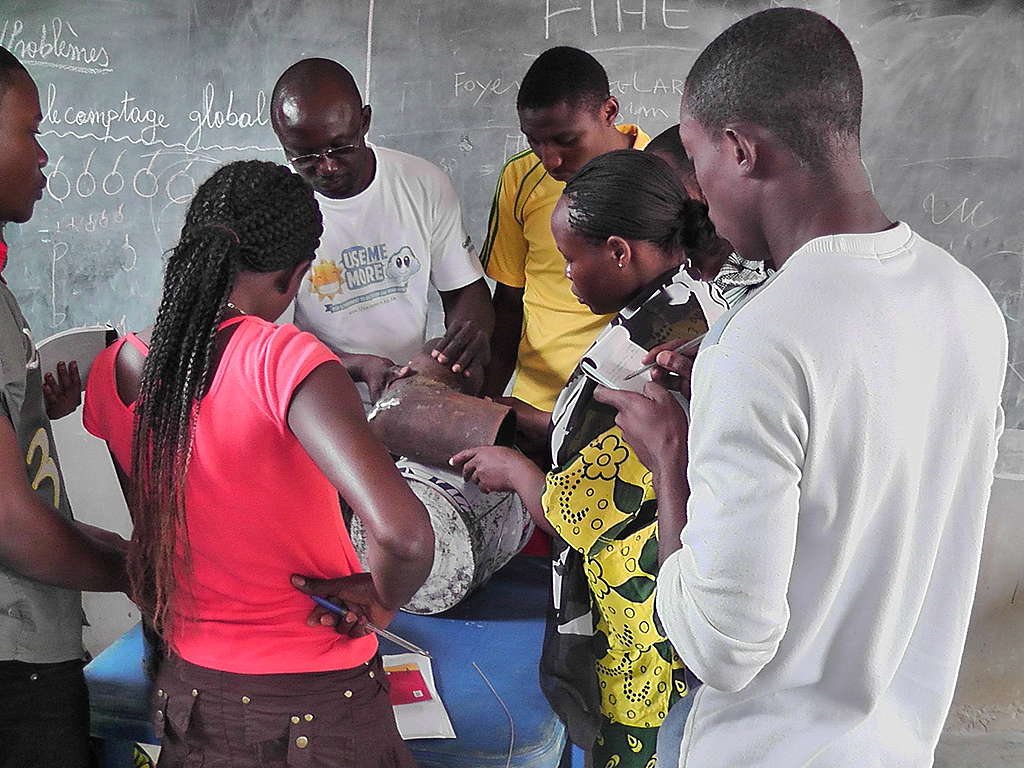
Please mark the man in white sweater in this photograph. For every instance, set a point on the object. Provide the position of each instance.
(820, 558)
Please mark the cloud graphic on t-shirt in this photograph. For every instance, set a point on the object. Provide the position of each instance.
(402, 265)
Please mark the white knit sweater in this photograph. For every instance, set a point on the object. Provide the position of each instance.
(843, 437)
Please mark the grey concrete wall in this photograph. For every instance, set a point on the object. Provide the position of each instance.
(990, 691)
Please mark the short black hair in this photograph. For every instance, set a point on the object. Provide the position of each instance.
(563, 75)
(9, 67)
(786, 69)
(669, 146)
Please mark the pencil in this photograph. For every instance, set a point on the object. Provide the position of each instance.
(694, 342)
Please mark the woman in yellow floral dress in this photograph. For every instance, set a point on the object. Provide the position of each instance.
(626, 229)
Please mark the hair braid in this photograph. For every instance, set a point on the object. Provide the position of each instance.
(249, 216)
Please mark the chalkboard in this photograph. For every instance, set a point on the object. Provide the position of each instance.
(142, 100)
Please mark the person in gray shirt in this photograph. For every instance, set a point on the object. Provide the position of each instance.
(45, 556)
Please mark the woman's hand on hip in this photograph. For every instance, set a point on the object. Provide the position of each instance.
(355, 592)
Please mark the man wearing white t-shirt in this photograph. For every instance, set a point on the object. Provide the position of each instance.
(820, 550)
(392, 228)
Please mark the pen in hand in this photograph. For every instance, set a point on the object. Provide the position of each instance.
(387, 635)
(691, 344)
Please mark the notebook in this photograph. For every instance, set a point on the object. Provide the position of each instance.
(81, 345)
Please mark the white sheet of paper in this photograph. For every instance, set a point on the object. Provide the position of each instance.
(146, 755)
(421, 719)
(619, 357)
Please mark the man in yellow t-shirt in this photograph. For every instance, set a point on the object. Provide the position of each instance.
(541, 330)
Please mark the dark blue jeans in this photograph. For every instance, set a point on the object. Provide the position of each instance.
(44, 715)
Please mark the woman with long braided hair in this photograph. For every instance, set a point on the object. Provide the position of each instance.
(632, 241)
(235, 437)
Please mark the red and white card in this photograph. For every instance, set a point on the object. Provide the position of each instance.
(419, 711)
(407, 685)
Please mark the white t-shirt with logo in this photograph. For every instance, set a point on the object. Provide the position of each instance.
(367, 291)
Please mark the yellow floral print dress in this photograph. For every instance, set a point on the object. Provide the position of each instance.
(602, 505)
(607, 669)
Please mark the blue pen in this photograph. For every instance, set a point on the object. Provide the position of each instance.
(324, 603)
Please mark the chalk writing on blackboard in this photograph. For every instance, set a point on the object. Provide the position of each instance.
(129, 256)
(51, 49)
(369, 51)
(106, 121)
(211, 118)
(668, 14)
(1016, 371)
(972, 216)
(136, 123)
(480, 88)
(58, 252)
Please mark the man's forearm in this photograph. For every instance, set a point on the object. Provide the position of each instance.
(504, 352)
(673, 492)
(103, 536)
(503, 364)
(470, 304)
(533, 425)
(36, 542)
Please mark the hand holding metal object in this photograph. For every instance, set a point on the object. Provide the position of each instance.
(434, 413)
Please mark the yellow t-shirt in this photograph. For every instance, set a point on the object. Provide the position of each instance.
(520, 252)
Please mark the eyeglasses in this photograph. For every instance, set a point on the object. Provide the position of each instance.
(312, 160)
